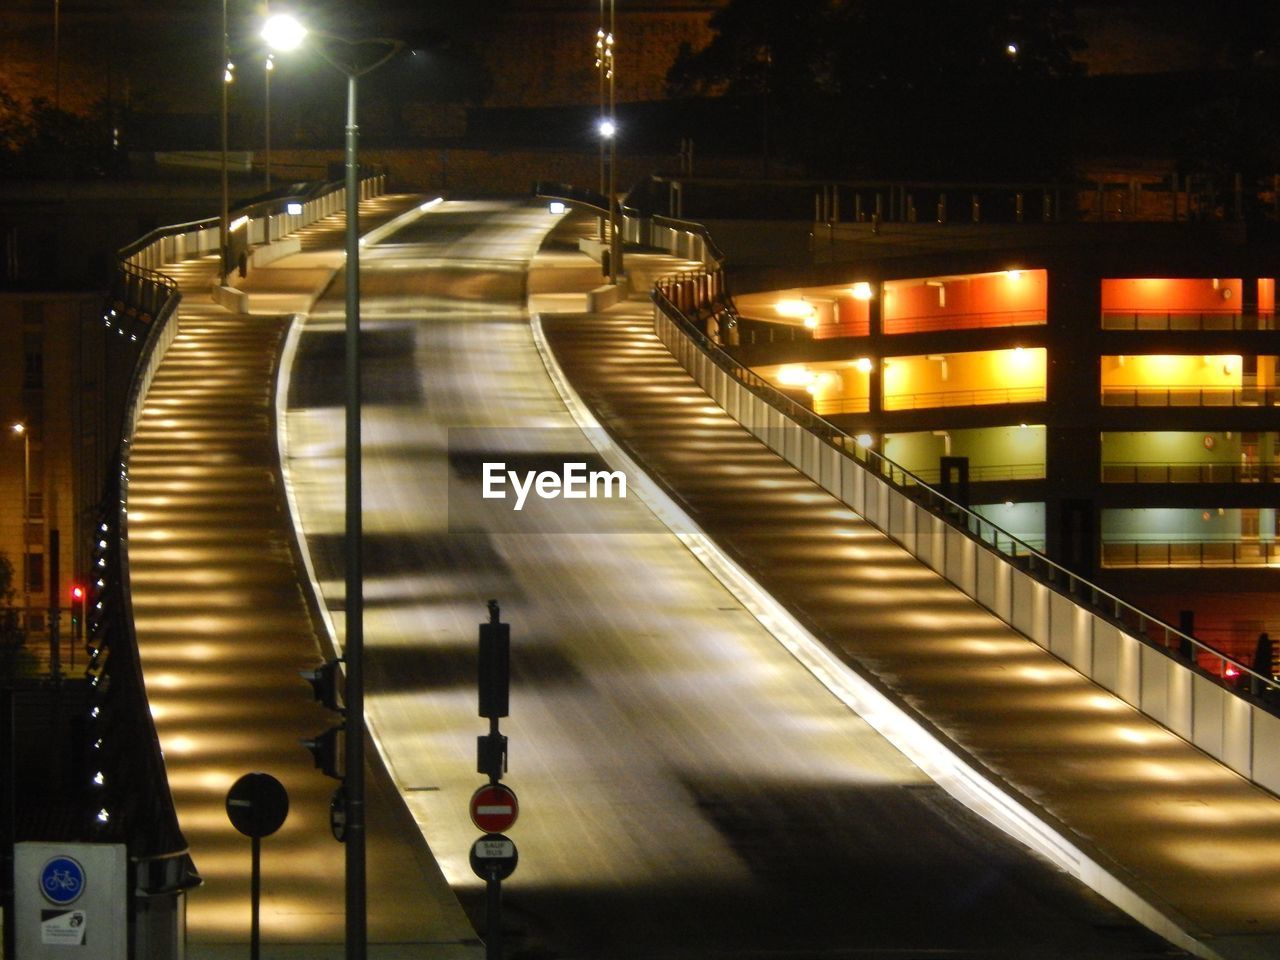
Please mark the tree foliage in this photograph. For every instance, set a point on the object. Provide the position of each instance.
(865, 84)
(38, 140)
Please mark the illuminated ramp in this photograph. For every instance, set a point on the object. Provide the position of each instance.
(223, 630)
(1173, 835)
(688, 790)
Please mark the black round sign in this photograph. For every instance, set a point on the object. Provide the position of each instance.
(493, 857)
(257, 804)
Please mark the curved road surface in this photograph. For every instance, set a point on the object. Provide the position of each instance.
(688, 789)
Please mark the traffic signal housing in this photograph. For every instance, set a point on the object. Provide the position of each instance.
(326, 684)
(326, 750)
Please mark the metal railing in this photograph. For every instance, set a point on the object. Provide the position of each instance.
(1138, 472)
(1190, 553)
(1186, 320)
(1180, 395)
(966, 321)
(963, 398)
(989, 472)
(1148, 629)
(258, 222)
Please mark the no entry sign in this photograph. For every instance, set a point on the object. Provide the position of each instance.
(494, 808)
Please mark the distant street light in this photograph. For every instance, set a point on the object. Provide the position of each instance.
(284, 32)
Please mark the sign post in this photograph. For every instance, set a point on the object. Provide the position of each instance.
(257, 806)
(494, 807)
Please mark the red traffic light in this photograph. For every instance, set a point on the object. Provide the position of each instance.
(77, 593)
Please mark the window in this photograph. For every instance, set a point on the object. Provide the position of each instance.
(35, 572)
(32, 360)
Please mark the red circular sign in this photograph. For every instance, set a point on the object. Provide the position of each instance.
(494, 808)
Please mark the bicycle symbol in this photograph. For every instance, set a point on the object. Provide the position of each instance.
(62, 880)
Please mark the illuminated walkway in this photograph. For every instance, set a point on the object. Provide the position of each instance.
(1185, 832)
(223, 630)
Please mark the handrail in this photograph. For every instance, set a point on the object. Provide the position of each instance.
(1127, 319)
(986, 534)
(1189, 395)
(1189, 471)
(549, 190)
(699, 230)
(130, 250)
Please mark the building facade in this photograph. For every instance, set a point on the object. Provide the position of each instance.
(52, 373)
(1107, 393)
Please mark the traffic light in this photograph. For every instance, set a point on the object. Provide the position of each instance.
(494, 665)
(326, 750)
(77, 612)
(325, 683)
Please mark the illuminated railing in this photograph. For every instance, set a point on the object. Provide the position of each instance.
(1186, 320)
(965, 321)
(1195, 553)
(1118, 472)
(772, 416)
(1181, 395)
(963, 398)
(258, 222)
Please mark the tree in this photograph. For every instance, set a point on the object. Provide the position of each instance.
(900, 89)
(37, 139)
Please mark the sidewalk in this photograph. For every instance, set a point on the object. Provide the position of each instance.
(223, 631)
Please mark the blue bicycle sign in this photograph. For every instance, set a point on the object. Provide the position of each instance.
(62, 881)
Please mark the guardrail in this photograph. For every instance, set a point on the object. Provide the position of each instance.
(965, 321)
(1138, 472)
(1171, 677)
(1186, 320)
(1190, 553)
(259, 222)
(1173, 395)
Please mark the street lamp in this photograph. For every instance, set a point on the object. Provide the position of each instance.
(606, 63)
(266, 127)
(20, 429)
(227, 72)
(283, 32)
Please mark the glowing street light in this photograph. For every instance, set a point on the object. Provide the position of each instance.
(284, 32)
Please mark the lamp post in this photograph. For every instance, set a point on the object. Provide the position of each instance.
(57, 55)
(266, 126)
(20, 429)
(283, 32)
(606, 63)
(224, 231)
